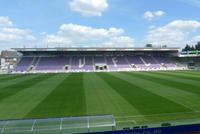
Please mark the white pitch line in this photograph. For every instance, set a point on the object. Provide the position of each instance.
(153, 115)
(133, 121)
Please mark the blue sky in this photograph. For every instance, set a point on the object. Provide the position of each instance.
(103, 23)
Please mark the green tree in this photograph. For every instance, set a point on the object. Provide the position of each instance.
(197, 46)
(192, 48)
(187, 48)
(149, 45)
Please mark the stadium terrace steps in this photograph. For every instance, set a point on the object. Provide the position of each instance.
(150, 61)
(156, 61)
(75, 63)
(35, 61)
(24, 64)
(88, 63)
(164, 60)
(106, 62)
(33, 64)
(127, 61)
(121, 62)
(110, 63)
(136, 61)
(38, 61)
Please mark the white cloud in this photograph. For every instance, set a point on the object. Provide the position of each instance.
(152, 27)
(84, 33)
(42, 33)
(194, 40)
(173, 34)
(4, 21)
(159, 13)
(52, 39)
(15, 31)
(89, 7)
(71, 34)
(114, 31)
(67, 35)
(122, 41)
(15, 34)
(11, 36)
(192, 2)
(30, 37)
(150, 15)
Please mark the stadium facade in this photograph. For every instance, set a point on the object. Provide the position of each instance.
(74, 59)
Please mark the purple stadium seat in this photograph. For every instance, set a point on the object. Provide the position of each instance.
(52, 63)
(136, 61)
(24, 64)
(165, 61)
(149, 60)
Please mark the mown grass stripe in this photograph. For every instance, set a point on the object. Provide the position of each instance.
(145, 101)
(21, 103)
(172, 81)
(6, 75)
(103, 99)
(3, 79)
(3, 75)
(156, 88)
(67, 99)
(17, 80)
(178, 96)
(184, 78)
(180, 75)
(192, 72)
(13, 89)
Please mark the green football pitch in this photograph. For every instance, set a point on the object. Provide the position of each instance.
(129, 96)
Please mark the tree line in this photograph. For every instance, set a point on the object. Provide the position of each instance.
(192, 48)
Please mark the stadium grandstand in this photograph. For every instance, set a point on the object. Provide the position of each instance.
(96, 59)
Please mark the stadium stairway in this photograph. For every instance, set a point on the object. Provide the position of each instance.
(70, 62)
(128, 61)
(93, 64)
(143, 61)
(156, 61)
(105, 59)
(114, 61)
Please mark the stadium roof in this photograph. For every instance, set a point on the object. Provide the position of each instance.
(98, 49)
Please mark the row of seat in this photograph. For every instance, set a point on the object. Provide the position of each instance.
(88, 62)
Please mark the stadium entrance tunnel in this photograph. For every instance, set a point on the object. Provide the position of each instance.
(66, 67)
(133, 66)
(101, 67)
(31, 68)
